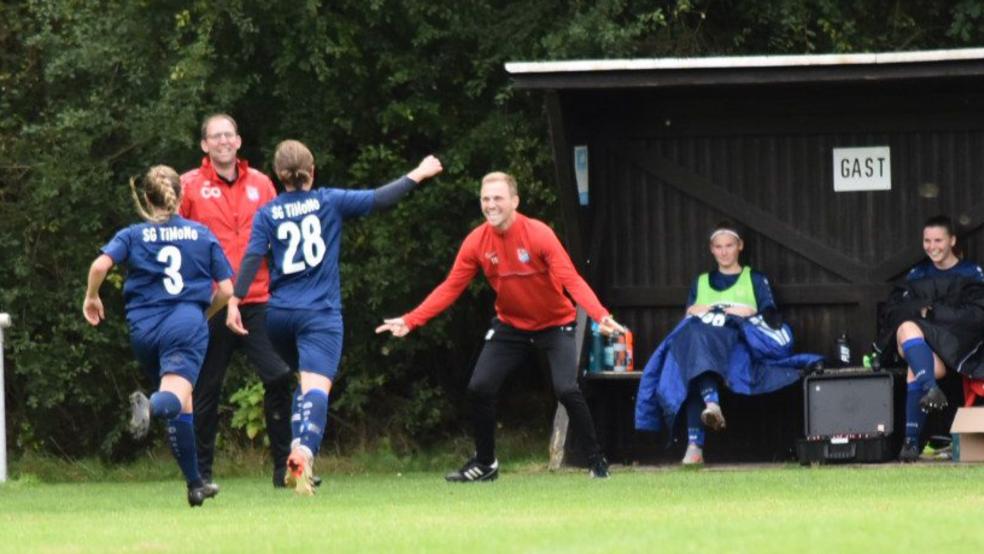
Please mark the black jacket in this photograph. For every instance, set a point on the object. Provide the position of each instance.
(954, 322)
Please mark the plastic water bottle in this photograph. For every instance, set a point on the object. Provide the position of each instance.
(609, 357)
(620, 353)
(597, 349)
(843, 350)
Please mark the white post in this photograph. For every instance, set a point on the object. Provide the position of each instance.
(4, 323)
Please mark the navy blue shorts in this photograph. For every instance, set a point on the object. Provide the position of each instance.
(308, 340)
(170, 340)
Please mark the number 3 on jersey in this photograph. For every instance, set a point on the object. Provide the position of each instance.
(307, 236)
(170, 256)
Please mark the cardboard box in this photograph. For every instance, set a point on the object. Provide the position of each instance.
(968, 426)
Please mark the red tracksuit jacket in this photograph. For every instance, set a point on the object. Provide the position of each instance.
(527, 267)
(227, 210)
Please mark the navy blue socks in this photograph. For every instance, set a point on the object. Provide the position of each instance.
(919, 356)
(695, 429)
(703, 391)
(313, 410)
(181, 436)
(708, 388)
(914, 416)
(295, 413)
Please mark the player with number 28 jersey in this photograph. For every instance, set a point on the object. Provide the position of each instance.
(303, 230)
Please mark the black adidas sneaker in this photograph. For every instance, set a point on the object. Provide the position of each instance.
(473, 471)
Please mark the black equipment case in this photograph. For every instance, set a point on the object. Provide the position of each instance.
(848, 417)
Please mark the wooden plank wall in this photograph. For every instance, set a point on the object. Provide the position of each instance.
(666, 165)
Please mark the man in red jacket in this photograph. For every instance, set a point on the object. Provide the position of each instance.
(224, 194)
(529, 270)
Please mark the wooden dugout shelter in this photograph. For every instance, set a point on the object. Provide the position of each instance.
(675, 145)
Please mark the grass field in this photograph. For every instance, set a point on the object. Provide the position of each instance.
(922, 508)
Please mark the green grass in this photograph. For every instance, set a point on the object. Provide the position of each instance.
(924, 508)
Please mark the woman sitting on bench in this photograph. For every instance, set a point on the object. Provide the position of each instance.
(731, 334)
(942, 321)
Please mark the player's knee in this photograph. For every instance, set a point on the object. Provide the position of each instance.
(165, 404)
(907, 330)
(480, 392)
(278, 389)
(568, 393)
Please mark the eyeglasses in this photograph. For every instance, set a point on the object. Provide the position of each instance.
(228, 135)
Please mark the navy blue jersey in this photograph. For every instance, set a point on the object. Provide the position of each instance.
(302, 231)
(168, 263)
(721, 281)
(963, 268)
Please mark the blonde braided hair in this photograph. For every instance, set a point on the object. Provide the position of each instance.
(161, 190)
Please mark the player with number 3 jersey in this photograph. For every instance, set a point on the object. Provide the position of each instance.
(301, 231)
(168, 295)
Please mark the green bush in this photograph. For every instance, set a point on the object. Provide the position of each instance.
(247, 414)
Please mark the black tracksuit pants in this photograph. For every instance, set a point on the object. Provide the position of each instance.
(273, 372)
(507, 348)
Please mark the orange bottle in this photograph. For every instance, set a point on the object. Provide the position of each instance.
(629, 355)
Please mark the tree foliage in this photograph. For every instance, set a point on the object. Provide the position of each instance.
(94, 92)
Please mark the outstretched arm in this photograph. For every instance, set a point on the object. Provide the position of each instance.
(389, 194)
(427, 168)
(562, 268)
(464, 268)
(92, 307)
(436, 302)
(609, 327)
(396, 325)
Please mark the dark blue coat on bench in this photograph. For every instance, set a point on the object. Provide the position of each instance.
(751, 358)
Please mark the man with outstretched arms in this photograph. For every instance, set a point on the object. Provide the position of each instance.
(529, 270)
(224, 194)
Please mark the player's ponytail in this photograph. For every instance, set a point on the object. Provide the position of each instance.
(294, 164)
(161, 190)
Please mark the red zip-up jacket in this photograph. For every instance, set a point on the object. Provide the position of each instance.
(529, 270)
(227, 210)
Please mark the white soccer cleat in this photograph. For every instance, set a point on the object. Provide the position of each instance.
(694, 456)
(300, 472)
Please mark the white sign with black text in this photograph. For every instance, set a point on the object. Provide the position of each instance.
(868, 168)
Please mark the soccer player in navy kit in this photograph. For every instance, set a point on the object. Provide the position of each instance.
(301, 230)
(925, 364)
(172, 264)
